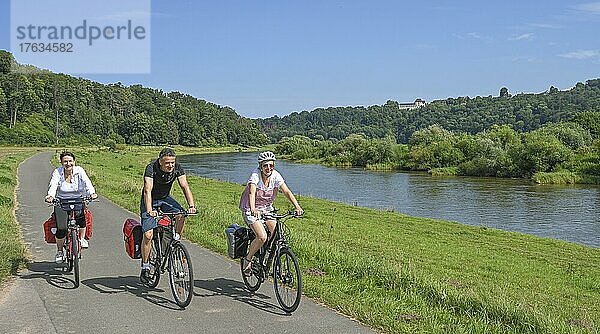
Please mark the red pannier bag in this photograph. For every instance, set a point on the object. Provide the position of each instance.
(88, 223)
(164, 221)
(49, 225)
(132, 235)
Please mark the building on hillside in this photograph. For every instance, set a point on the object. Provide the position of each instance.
(417, 104)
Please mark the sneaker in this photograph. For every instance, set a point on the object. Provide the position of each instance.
(145, 276)
(59, 258)
(177, 236)
(84, 243)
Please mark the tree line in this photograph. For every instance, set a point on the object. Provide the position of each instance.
(563, 152)
(506, 136)
(38, 105)
(523, 112)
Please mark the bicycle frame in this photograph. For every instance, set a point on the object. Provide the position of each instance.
(273, 244)
(72, 227)
(72, 246)
(276, 256)
(159, 234)
(171, 256)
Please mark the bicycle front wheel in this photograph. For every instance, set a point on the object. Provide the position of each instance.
(68, 264)
(181, 275)
(287, 280)
(75, 255)
(154, 263)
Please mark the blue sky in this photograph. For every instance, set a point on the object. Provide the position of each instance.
(274, 57)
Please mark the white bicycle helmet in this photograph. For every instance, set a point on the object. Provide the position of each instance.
(266, 156)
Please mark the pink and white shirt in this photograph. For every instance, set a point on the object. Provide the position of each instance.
(265, 195)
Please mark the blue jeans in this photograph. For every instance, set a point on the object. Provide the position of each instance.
(167, 204)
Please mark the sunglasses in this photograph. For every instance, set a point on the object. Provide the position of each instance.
(271, 166)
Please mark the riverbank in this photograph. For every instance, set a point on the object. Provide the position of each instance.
(399, 273)
(558, 153)
(13, 250)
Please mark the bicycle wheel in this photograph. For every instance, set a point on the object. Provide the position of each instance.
(75, 256)
(253, 281)
(181, 275)
(154, 264)
(287, 280)
(68, 264)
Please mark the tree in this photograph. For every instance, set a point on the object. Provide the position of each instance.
(2, 103)
(590, 121)
(542, 152)
(570, 134)
(504, 92)
(6, 60)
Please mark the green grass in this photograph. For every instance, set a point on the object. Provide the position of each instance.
(13, 250)
(398, 273)
(564, 177)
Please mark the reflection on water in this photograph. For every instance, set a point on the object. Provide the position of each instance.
(563, 212)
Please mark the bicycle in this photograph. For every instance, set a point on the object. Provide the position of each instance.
(171, 255)
(287, 279)
(72, 247)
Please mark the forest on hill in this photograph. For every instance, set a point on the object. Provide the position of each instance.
(37, 105)
(523, 112)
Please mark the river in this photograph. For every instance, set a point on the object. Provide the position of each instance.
(554, 211)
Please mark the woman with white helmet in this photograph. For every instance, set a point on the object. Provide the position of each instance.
(257, 199)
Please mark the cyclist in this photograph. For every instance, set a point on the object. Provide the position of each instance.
(257, 199)
(68, 181)
(158, 179)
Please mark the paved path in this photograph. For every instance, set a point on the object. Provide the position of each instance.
(110, 299)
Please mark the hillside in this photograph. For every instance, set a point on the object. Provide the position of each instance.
(37, 105)
(524, 112)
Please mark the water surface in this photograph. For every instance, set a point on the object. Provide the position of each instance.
(556, 211)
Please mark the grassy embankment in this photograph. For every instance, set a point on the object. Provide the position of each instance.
(399, 273)
(12, 249)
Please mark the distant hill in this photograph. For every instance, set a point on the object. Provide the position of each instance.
(524, 112)
(34, 104)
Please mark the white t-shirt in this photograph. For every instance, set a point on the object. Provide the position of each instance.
(80, 184)
(265, 195)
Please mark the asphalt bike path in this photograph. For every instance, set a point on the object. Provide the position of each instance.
(110, 298)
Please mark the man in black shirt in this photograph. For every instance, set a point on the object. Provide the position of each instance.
(158, 179)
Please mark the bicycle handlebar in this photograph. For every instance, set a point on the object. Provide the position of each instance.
(173, 214)
(274, 215)
(77, 200)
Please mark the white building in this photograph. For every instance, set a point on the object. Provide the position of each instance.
(417, 104)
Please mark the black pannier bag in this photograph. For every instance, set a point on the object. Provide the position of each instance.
(238, 238)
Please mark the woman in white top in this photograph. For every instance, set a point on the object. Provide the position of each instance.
(67, 182)
(257, 199)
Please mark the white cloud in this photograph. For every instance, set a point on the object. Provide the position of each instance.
(469, 35)
(581, 54)
(525, 59)
(527, 36)
(545, 25)
(590, 7)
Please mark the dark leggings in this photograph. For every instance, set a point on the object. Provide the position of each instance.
(61, 221)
